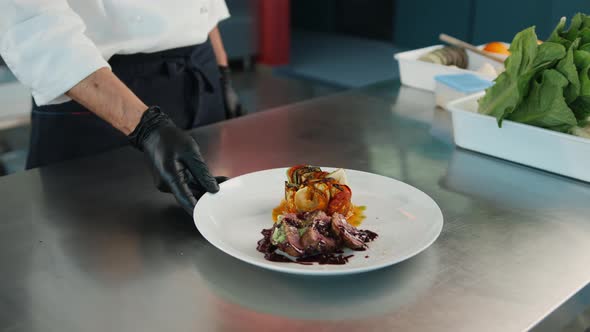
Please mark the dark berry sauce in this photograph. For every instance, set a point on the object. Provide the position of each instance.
(266, 247)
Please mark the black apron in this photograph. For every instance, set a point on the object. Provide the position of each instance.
(184, 82)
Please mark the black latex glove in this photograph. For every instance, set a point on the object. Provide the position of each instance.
(174, 158)
(231, 101)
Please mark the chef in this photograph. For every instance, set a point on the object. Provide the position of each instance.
(105, 73)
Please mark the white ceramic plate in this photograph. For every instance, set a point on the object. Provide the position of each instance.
(406, 219)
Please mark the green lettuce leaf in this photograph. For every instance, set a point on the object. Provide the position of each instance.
(547, 55)
(584, 36)
(572, 33)
(512, 86)
(584, 76)
(545, 106)
(575, 30)
(568, 69)
(581, 106)
(547, 85)
(581, 58)
(556, 35)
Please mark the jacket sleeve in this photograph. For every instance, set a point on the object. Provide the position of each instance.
(44, 45)
(219, 11)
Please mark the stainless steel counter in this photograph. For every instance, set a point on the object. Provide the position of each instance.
(90, 245)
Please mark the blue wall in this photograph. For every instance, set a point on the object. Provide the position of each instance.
(418, 23)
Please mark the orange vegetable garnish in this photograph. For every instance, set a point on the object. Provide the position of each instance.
(497, 47)
(340, 203)
(309, 189)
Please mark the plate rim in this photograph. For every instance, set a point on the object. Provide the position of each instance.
(315, 272)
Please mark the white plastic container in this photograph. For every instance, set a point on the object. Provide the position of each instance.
(532, 146)
(455, 86)
(420, 74)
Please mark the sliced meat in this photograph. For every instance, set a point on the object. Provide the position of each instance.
(349, 234)
(318, 238)
(321, 222)
(314, 242)
(292, 220)
(310, 217)
(285, 235)
(291, 244)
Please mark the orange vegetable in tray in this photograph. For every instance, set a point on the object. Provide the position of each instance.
(497, 47)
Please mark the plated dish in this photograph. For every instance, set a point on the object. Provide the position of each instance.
(315, 222)
(406, 220)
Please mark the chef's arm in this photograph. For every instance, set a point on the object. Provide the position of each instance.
(218, 48)
(231, 101)
(44, 43)
(106, 96)
(173, 155)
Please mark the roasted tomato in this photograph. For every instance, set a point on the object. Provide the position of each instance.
(341, 200)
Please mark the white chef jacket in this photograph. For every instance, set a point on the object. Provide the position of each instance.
(51, 45)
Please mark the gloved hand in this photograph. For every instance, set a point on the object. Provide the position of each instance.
(233, 107)
(174, 158)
